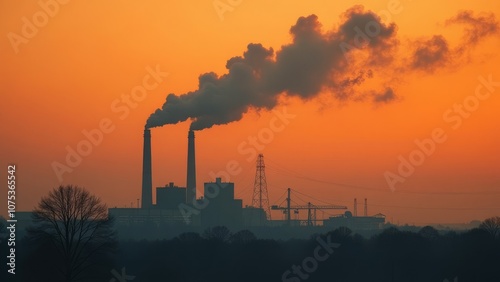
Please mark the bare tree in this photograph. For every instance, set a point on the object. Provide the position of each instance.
(77, 226)
(492, 225)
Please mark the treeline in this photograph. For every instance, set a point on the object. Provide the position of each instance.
(393, 255)
(338, 255)
(71, 238)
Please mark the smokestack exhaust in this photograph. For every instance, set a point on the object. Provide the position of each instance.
(191, 171)
(147, 178)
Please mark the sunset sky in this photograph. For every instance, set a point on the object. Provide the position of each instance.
(72, 68)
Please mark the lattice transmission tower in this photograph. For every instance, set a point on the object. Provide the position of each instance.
(260, 197)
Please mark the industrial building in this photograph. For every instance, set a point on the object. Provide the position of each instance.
(356, 222)
(223, 208)
(180, 206)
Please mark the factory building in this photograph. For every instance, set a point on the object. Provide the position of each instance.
(254, 217)
(355, 222)
(222, 208)
(158, 217)
(177, 205)
(170, 197)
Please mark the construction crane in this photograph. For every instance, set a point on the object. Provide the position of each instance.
(311, 210)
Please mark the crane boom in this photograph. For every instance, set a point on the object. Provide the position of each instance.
(305, 207)
(311, 209)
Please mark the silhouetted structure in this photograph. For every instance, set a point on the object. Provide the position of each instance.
(191, 171)
(147, 177)
(311, 210)
(366, 207)
(223, 208)
(260, 198)
(355, 207)
(170, 196)
(178, 206)
(254, 217)
(355, 222)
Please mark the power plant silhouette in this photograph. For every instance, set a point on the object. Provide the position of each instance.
(180, 206)
(177, 205)
(169, 193)
(168, 196)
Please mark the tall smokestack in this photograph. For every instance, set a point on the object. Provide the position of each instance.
(355, 207)
(191, 170)
(147, 182)
(366, 207)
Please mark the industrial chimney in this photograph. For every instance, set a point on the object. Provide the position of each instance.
(147, 182)
(366, 207)
(191, 171)
(355, 207)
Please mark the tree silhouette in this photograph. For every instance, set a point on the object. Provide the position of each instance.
(342, 232)
(189, 237)
(73, 226)
(429, 232)
(217, 233)
(392, 255)
(492, 225)
(243, 236)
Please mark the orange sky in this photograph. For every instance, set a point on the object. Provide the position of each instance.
(64, 79)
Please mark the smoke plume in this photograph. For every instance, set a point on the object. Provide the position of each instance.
(476, 27)
(430, 54)
(313, 62)
(433, 53)
(336, 61)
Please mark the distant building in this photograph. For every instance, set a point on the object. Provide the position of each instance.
(166, 211)
(219, 207)
(169, 197)
(253, 217)
(355, 222)
(222, 208)
(133, 216)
